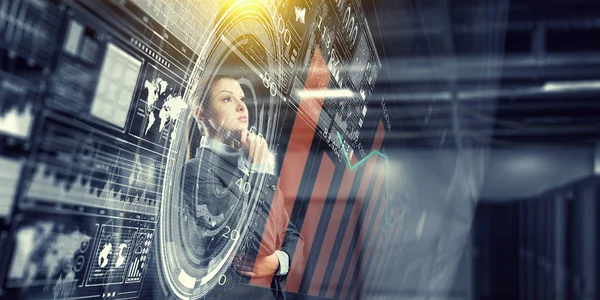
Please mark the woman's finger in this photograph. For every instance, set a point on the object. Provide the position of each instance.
(243, 136)
(264, 148)
(248, 274)
(244, 268)
(260, 139)
(251, 136)
(252, 144)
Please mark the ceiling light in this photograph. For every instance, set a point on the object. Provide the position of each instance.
(338, 93)
(571, 85)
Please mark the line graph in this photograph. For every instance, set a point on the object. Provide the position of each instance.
(358, 164)
(387, 177)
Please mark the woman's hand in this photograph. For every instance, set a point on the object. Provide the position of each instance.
(255, 146)
(263, 266)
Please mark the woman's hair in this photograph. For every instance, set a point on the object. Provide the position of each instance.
(200, 96)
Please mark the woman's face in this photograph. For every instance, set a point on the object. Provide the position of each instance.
(228, 111)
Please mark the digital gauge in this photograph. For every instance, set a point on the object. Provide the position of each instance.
(202, 231)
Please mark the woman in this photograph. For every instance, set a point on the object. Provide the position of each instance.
(232, 174)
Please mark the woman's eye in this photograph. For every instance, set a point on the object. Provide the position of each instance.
(227, 99)
(243, 99)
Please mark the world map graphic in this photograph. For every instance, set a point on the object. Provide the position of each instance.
(45, 252)
(168, 111)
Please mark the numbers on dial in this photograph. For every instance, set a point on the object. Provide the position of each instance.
(282, 29)
(234, 235)
(222, 279)
(269, 83)
(349, 26)
(244, 186)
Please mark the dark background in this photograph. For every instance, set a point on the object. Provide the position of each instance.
(468, 78)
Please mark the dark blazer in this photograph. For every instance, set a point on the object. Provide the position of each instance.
(219, 194)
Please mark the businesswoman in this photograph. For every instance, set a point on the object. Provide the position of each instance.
(230, 174)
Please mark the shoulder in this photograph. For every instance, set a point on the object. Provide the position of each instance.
(207, 162)
(202, 161)
(192, 164)
(193, 169)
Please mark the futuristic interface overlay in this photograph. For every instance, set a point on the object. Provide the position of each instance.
(93, 110)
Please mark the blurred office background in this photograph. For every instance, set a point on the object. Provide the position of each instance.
(499, 119)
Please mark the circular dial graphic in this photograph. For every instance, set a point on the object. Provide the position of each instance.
(206, 206)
